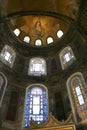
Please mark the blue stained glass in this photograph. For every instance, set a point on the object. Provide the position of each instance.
(36, 106)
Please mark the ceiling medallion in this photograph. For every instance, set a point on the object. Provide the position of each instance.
(38, 29)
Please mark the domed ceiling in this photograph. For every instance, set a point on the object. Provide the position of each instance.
(36, 28)
(39, 23)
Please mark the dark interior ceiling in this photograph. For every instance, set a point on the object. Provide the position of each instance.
(53, 15)
(68, 8)
(70, 16)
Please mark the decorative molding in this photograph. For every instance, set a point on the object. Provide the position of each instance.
(52, 122)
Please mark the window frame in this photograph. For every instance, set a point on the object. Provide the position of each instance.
(3, 88)
(37, 60)
(78, 110)
(45, 116)
(11, 59)
(64, 63)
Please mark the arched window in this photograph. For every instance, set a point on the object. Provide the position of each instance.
(38, 42)
(36, 104)
(77, 91)
(3, 85)
(59, 33)
(26, 39)
(37, 67)
(66, 57)
(8, 55)
(49, 40)
(17, 32)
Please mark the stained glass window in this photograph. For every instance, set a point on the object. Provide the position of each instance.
(79, 95)
(77, 91)
(36, 105)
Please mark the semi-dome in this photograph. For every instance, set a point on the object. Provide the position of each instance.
(43, 64)
(39, 23)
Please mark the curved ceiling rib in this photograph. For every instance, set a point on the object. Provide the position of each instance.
(53, 16)
(68, 8)
(39, 13)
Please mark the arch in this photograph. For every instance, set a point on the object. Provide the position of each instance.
(36, 104)
(77, 90)
(66, 57)
(37, 66)
(8, 55)
(3, 85)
